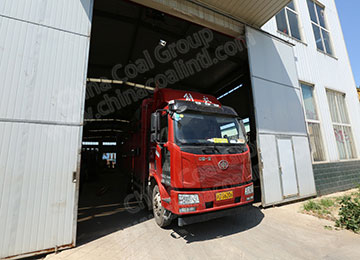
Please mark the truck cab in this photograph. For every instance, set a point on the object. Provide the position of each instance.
(198, 159)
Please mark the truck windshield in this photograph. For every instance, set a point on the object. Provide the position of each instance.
(192, 128)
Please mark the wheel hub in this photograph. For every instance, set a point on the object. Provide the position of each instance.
(157, 204)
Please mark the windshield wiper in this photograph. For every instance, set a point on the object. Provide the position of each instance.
(184, 143)
(210, 150)
(216, 149)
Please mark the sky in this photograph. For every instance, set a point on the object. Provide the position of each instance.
(349, 17)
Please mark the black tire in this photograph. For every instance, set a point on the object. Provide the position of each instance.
(161, 215)
(148, 198)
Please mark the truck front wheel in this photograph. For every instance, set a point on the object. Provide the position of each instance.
(161, 215)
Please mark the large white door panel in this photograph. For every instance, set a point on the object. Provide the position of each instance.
(68, 15)
(276, 106)
(274, 59)
(44, 47)
(36, 186)
(280, 120)
(42, 72)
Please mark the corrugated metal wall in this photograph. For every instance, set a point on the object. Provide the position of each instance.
(44, 49)
(324, 71)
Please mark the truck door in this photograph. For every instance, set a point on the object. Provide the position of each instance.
(162, 152)
(283, 146)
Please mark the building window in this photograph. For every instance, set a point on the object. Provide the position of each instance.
(313, 123)
(321, 32)
(288, 22)
(341, 124)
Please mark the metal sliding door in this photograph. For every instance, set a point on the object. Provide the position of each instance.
(286, 166)
(44, 49)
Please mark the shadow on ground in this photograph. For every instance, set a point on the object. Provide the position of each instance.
(217, 228)
(106, 220)
(102, 212)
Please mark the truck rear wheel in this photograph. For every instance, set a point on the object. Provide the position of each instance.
(161, 215)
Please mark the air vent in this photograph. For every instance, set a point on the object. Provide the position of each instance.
(209, 205)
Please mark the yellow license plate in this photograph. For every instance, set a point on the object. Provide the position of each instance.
(224, 195)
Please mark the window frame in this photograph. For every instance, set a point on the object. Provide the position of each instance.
(321, 28)
(314, 121)
(342, 125)
(296, 12)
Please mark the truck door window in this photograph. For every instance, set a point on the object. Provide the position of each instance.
(164, 128)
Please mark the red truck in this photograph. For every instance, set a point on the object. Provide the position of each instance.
(189, 158)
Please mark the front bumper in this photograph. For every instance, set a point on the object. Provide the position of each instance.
(207, 200)
(191, 219)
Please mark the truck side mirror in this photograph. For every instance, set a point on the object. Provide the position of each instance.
(155, 127)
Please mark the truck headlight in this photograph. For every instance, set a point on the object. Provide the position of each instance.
(249, 190)
(187, 199)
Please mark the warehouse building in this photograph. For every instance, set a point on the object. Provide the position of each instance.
(74, 73)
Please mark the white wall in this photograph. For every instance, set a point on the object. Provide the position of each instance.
(324, 71)
(44, 49)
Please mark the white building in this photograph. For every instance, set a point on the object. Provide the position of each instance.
(297, 89)
(328, 87)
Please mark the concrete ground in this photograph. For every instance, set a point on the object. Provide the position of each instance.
(275, 233)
